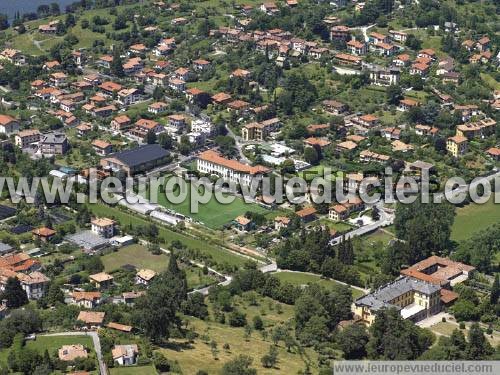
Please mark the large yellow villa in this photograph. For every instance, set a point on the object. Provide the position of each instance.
(415, 300)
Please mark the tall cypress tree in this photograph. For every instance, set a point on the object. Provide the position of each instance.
(14, 294)
(117, 63)
(495, 290)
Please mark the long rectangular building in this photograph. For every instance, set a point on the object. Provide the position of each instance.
(211, 162)
(137, 160)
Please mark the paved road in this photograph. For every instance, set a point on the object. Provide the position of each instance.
(364, 30)
(386, 218)
(464, 188)
(238, 145)
(103, 370)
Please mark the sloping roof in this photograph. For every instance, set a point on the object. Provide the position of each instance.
(91, 317)
(124, 351)
(119, 327)
(102, 222)
(100, 277)
(87, 296)
(383, 296)
(6, 119)
(43, 232)
(71, 352)
(140, 155)
(214, 157)
(308, 211)
(146, 274)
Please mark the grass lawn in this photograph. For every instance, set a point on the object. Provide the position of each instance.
(133, 370)
(218, 254)
(378, 235)
(137, 255)
(339, 226)
(446, 328)
(298, 278)
(490, 81)
(474, 217)
(140, 257)
(52, 344)
(212, 214)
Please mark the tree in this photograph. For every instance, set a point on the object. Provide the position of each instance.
(393, 94)
(352, 340)
(162, 364)
(165, 141)
(478, 347)
(392, 337)
(4, 21)
(258, 324)
(156, 313)
(270, 359)
(413, 42)
(214, 349)
(150, 137)
(195, 306)
(495, 290)
(54, 294)
(346, 252)
(239, 366)
(426, 227)
(158, 93)
(311, 155)
(117, 64)
(120, 23)
(237, 319)
(14, 294)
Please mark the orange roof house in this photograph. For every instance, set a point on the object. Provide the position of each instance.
(43, 233)
(312, 141)
(306, 214)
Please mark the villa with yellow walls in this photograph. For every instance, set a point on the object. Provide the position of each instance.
(415, 300)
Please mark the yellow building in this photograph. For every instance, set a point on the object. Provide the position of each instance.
(254, 131)
(480, 129)
(415, 300)
(457, 145)
(259, 131)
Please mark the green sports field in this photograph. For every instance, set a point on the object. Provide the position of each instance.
(212, 214)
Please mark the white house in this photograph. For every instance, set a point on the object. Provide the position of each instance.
(8, 124)
(103, 227)
(125, 355)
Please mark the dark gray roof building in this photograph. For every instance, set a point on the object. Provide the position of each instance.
(137, 160)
